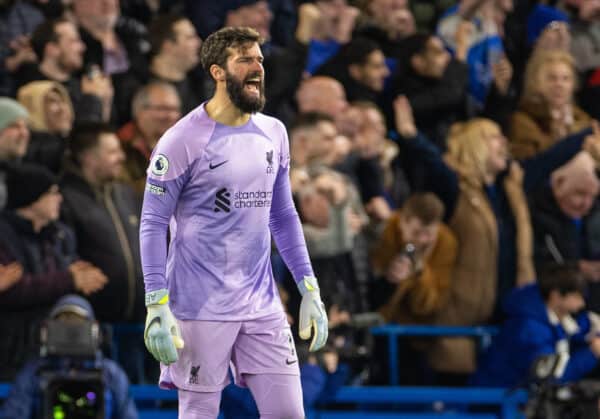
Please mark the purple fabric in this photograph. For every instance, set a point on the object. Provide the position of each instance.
(277, 395)
(220, 189)
(260, 346)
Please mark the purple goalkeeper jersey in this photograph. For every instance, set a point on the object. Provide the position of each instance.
(221, 191)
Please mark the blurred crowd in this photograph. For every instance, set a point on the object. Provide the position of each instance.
(443, 154)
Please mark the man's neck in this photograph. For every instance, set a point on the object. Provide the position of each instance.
(221, 109)
(166, 69)
(53, 71)
(90, 178)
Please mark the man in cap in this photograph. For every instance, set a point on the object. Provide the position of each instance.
(31, 236)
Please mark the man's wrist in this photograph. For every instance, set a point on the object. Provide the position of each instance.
(308, 284)
(157, 297)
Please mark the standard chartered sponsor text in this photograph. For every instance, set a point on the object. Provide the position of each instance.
(252, 199)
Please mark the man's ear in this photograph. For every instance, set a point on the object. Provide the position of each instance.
(217, 72)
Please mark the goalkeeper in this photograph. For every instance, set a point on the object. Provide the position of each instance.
(219, 182)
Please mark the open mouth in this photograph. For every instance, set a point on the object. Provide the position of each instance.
(253, 85)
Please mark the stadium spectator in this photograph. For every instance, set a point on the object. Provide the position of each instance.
(51, 120)
(434, 83)
(175, 56)
(104, 213)
(14, 138)
(326, 95)
(548, 29)
(566, 223)
(412, 266)
(45, 248)
(543, 319)
(18, 19)
(313, 141)
(155, 108)
(117, 46)
(387, 23)
(332, 30)
(485, 48)
(415, 255)
(14, 133)
(360, 67)
(377, 178)
(547, 112)
(60, 51)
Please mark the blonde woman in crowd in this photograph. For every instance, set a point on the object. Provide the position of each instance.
(547, 112)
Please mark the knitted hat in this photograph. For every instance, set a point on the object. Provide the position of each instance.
(26, 183)
(32, 97)
(72, 304)
(540, 18)
(10, 111)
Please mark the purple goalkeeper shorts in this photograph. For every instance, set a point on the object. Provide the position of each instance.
(260, 346)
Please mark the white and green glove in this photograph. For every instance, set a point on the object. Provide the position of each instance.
(313, 316)
(161, 335)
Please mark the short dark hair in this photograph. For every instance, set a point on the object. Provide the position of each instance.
(426, 207)
(86, 136)
(415, 44)
(45, 33)
(564, 278)
(162, 29)
(215, 49)
(357, 51)
(309, 120)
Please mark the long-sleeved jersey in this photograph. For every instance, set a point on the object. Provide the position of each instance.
(220, 191)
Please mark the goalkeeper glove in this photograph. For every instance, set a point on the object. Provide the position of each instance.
(161, 334)
(313, 317)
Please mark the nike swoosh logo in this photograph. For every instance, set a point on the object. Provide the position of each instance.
(214, 166)
(287, 361)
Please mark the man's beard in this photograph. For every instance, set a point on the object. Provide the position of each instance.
(243, 101)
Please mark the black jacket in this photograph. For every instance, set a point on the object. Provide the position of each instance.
(45, 257)
(283, 74)
(106, 224)
(437, 104)
(46, 150)
(557, 238)
(132, 36)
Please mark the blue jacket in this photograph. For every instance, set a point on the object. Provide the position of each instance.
(527, 334)
(23, 399)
